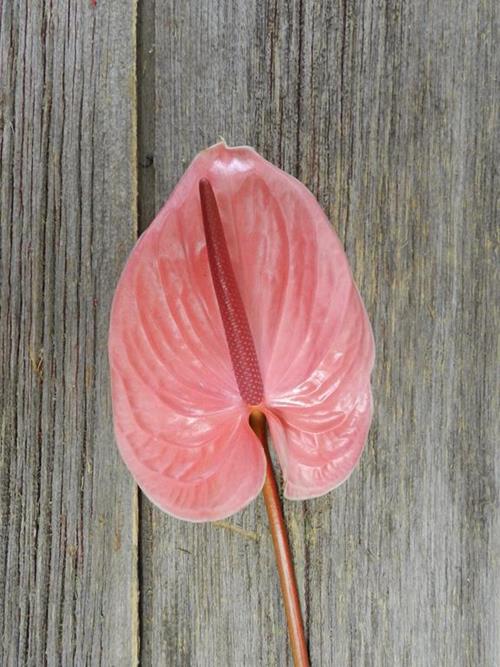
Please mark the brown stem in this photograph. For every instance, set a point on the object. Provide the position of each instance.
(282, 550)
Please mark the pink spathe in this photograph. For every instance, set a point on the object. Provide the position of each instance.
(180, 421)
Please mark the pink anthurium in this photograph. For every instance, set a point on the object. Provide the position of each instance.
(238, 300)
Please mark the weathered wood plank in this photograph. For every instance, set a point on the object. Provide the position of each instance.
(410, 149)
(68, 532)
(210, 595)
(387, 112)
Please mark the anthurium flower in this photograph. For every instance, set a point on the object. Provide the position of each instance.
(181, 401)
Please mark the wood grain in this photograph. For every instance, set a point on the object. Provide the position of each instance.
(68, 513)
(388, 112)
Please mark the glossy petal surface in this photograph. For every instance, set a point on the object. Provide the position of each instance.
(180, 422)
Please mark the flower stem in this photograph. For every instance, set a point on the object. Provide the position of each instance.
(282, 550)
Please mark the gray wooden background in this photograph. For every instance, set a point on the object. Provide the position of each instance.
(388, 112)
